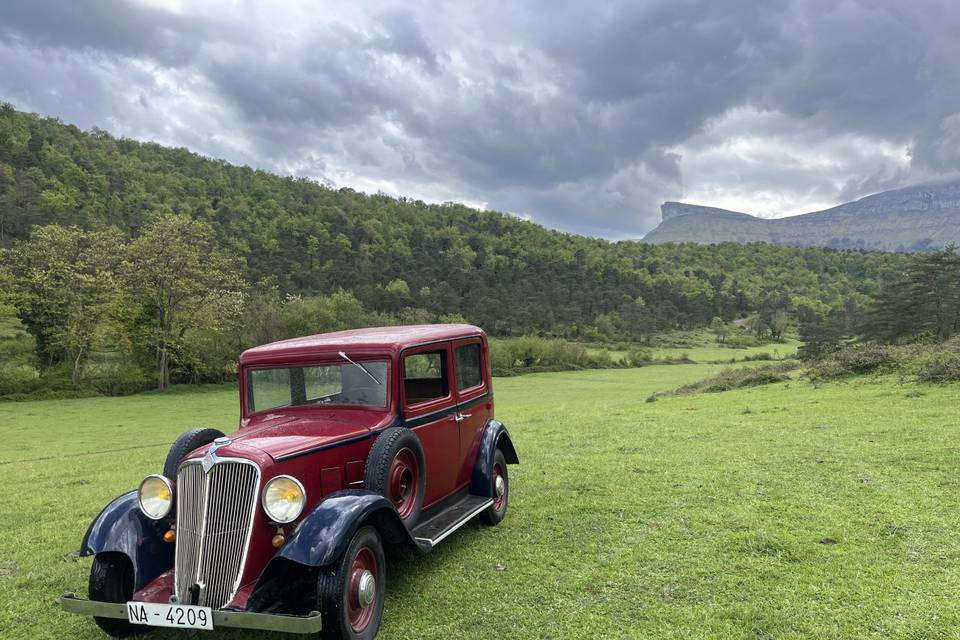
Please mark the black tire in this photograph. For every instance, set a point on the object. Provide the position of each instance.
(377, 476)
(495, 513)
(334, 590)
(111, 580)
(184, 444)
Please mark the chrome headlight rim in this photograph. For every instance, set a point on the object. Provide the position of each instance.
(169, 485)
(266, 508)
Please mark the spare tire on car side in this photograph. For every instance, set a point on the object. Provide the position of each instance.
(396, 470)
(184, 444)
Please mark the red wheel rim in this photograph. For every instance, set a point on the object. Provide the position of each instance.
(360, 616)
(499, 502)
(404, 482)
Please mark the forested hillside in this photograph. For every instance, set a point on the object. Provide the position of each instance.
(280, 249)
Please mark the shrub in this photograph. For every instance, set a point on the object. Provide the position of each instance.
(117, 378)
(856, 359)
(510, 356)
(739, 378)
(938, 366)
(742, 342)
(18, 379)
(637, 356)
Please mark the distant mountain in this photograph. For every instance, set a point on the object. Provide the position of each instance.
(917, 218)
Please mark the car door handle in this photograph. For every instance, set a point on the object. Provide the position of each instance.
(460, 417)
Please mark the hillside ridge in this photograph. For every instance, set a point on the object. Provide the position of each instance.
(875, 221)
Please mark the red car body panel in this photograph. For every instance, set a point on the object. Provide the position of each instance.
(326, 446)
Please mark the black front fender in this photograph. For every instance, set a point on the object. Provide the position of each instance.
(122, 528)
(495, 436)
(322, 537)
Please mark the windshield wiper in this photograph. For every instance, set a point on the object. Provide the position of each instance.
(362, 368)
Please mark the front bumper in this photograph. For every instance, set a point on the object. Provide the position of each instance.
(71, 603)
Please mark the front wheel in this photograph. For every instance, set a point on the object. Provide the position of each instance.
(500, 490)
(350, 595)
(111, 580)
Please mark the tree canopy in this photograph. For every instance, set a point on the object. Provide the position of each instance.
(261, 249)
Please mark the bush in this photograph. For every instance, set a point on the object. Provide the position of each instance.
(18, 379)
(856, 359)
(637, 357)
(530, 354)
(742, 342)
(924, 361)
(117, 378)
(740, 378)
(938, 366)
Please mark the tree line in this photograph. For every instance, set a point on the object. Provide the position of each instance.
(919, 304)
(161, 264)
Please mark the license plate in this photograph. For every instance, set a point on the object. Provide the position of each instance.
(178, 616)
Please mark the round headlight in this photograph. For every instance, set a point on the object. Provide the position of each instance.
(283, 499)
(156, 496)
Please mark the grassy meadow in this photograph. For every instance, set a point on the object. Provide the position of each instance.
(784, 511)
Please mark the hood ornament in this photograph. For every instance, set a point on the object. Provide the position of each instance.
(211, 458)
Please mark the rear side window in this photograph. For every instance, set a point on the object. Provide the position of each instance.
(468, 366)
(425, 377)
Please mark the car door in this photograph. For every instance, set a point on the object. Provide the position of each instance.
(429, 409)
(474, 404)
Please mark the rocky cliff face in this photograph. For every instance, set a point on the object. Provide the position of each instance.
(915, 218)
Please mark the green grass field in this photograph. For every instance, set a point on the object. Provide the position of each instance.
(784, 511)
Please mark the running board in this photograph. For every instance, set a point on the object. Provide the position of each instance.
(428, 534)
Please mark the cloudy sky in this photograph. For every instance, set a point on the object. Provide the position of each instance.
(581, 116)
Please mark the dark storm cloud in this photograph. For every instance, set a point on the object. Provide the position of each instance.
(583, 117)
(110, 26)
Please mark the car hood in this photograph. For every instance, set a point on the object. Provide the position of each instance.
(282, 436)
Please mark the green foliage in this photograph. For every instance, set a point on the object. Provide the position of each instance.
(637, 356)
(528, 354)
(743, 341)
(923, 300)
(182, 280)
(925, 362)
(741, 377)
(401, 260)
(719, 328)
(938, 366)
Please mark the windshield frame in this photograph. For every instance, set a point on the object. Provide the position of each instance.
(334, 360)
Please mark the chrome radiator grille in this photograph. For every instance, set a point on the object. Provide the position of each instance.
(214, 517)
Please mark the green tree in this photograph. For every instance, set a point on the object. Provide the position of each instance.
(66, 283)
(779, 322)
(175, 268)
(720, 329)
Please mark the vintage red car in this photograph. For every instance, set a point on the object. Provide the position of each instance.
(348, 442)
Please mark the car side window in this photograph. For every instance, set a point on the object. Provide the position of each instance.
(468, 366)
(425, 377)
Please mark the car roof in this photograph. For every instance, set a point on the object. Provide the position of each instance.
(369, 341)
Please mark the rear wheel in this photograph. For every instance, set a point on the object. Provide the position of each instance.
(500, 488)
(350, 595)
(395, 470)
(111, 580)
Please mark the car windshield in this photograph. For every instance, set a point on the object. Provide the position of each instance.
(340, 384)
